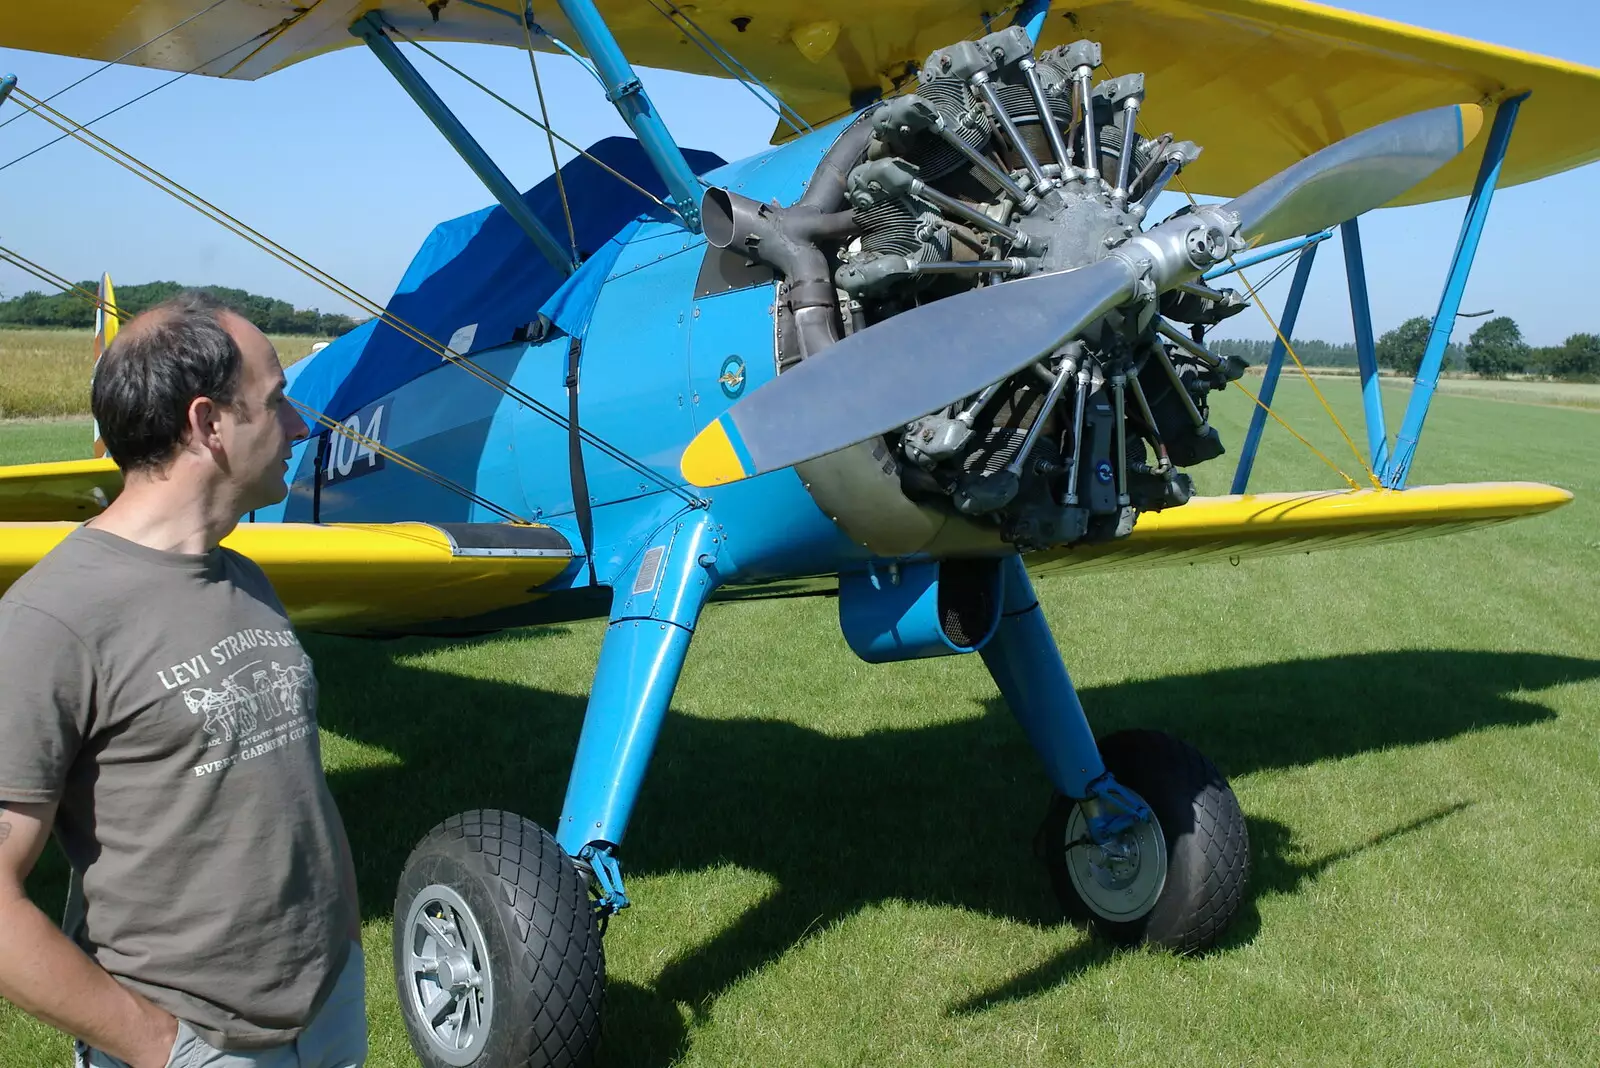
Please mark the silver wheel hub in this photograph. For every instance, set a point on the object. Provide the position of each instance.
(1121, 879)
(446, 979)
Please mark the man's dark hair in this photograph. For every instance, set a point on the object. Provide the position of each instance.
(154, 370)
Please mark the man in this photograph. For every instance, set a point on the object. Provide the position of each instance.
(214, 921)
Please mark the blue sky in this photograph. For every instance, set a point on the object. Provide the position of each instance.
(332, 160)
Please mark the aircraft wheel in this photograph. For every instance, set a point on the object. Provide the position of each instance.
(1174, 882)
(497, 955)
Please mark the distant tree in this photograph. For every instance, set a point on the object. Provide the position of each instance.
(1496, 348)
(1577, 357)
(1402, 347)
(71, 311)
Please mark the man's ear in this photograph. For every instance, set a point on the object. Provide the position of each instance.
(205, 424)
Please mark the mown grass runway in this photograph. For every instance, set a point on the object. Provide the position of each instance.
(831, 861)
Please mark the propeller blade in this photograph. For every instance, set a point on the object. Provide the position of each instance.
(900, 369)
(1361, 172)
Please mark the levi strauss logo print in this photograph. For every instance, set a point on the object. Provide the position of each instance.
(252, 693)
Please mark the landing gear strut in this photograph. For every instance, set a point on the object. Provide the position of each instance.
(1174, 880)
(1145, 840)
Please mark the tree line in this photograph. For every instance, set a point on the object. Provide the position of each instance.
(1496, 349)
(272, 316)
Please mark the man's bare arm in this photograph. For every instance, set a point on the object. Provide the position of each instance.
(48, 977)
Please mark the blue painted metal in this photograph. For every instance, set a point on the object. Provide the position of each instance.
(1269, 379)
(892, 612)
(653, 617)
(1355, 269)
(608, 873)
(624, 89)
(1267, 254)
(370, 29)
(571, 53)
(1025, 663)
(8, 83)
(1444, 322)
(1031, 16)
(652, 360)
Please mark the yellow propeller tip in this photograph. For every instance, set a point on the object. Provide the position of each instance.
(712, 460)
(1471, 122)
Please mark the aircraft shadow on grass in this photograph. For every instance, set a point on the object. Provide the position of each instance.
(943, 814)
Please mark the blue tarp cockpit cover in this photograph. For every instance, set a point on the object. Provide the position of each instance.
(478, 278)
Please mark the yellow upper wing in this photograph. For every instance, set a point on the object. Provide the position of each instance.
(1266, 524)
(1259, 83)
(363, 578)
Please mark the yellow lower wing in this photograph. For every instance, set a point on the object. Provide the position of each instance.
(366, 578)
(1265, 524)
(72, 489)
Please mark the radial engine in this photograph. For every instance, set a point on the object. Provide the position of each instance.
(1001, 165)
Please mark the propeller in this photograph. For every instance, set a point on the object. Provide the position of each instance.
(922, 360)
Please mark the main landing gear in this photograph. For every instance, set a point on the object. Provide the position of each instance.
(498, 957)
(1144, 841)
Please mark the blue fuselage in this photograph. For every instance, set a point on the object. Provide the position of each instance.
(658, 363)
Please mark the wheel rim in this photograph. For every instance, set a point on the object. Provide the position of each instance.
(1121, 880)
(446, 975)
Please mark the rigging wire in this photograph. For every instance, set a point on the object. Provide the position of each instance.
(1311, 381)
(1289, 348)
(544, 113)
(706, 43)
(136, 48)
(48, 276)
(168, 185)
(470, 80)
(107, 114)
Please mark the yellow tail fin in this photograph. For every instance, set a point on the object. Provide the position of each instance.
(105, 332)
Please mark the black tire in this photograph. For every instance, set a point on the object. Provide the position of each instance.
(1207, 844)
(546, 965)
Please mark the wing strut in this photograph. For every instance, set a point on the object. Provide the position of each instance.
(370, 29)
(624, 90)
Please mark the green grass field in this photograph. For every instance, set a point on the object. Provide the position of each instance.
(45, 373)
(831, 861)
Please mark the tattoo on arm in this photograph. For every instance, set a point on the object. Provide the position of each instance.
(5, 828)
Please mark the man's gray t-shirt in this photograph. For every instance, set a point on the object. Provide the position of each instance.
(163, 700)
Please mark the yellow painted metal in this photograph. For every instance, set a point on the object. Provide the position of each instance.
(348, 578)
(710, 459)
(105, 332)
(1258, 83)
(70, 490)
(1267, 524)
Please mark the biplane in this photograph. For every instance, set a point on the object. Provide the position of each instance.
(925, 349)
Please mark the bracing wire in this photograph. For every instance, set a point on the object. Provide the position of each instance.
(1312, 382)
(470, 80)
(107, 114)
(48, 276)
(136, 48)
(544, 113)
(132, 164)
(1289, 348)
(743, 75)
